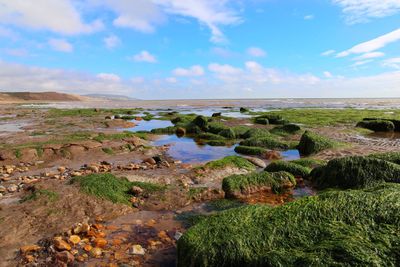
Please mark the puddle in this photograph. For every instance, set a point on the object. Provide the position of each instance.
(149, 125)
(187, 150)
(12, 127)
(386, 135)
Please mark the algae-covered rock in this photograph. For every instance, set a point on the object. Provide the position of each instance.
(216, 127)
(210, 136)
(236, 186)
(388, 156)
(311, 143)
(256, 132)
(228, 133)
(377, 125)
(263, 121)
(336, 228)
(166, 130)
(289, 128)
(355, 172)
(266, 142)
(243, 110)
(201, 122)
(250, 150)
(293, 168)
(272, 118)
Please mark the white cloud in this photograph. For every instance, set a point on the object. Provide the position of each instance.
(17, 52)
(17, 77)
(369, 55)
(256, 52)
(145, 15)
(392, 63)
(373, 44)
(328, 52)
(61, 45)
(327, 74)
(361, 63)
(111, 41)
(223, 69)
(171, 80)
(308, 17)
(59, 16)
(109, 77)
(359, 11)
(144, 56)
(195, 70)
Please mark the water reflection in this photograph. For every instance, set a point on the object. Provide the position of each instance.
(149, 125)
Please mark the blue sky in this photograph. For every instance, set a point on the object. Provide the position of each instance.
(164, 49)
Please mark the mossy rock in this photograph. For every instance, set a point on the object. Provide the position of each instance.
(272, 118)
(256, 132)
(228, 133)
(216, 114)
(311, 143)
(396, 123)
(263, 121)
(127, 117)
(355, 172)
(117, 116)
(250, 150)
(335, 228)
(192, 128)
(287, 129)
(201, 122)
(216, 143)
(388, 156)
(216, 127)
(210, 136)
(166, 130)
(265, 142)
(309, 162)
(238, 185)
(240, 130)
(377, 125)
(287, 166)
(230, 161)
(243, 110)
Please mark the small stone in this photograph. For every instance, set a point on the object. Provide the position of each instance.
(137, 250)
(136, 190)
(178, 235)
(3, 189)
(96, 252)
(100, 242)
(29, 258)
(150, 161)
(61, 169)
(65, 257)
(74, 239)
(29, 248)
(94, 168)
(87, 247)
(61, 244)
(272, 155)
(12, 188)
(256, 161)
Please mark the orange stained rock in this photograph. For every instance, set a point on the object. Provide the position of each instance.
(29, 248)
(87, 247)
(116, 242)
(150, 223)
(100, 242)
(74, 239)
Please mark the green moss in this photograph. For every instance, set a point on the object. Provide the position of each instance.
(377, 125)
(263, 121)
(201, 122)
(108, 150)
(250, 150)
(286, 129)
(231, 161)
(241, 184)
(210, 136)
(266, 142)
(216, 127)
(240, 130)
(291, 167)
(271, 118)
(87, 112)
(39, 151)
(256, 132)
(311, 143)
(107, 186)
(127, 117)
(50, 195)
(228, 133)
(217, 143)
(243, 110)
(118, 136)
(337, 228)
(309, 162)
(166, 130)
(355, 172)
(18, 153)
(388, 156)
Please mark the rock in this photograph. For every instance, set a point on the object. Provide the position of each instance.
(94, 168)
(138, 119)
(272, 155)
(256, 161)
(87, 247)
(150, 161)
(108, 117)
(61, 169)
(136, 190)
(178, 235)
(96, 252)
(28, 155)
(180, 131)
(65, 257)
(216, 114)
(61, 244)
(137, 250)
(74, 239)
(311, 143)
(7, 155)
(100, 242)
(3, 189)
(12, 188)
(29, 248)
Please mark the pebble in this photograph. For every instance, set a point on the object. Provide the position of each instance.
(61, 244)
(178, 235)
(256, 161)
(96, 252)
(150, 161)
(12, 188)
(100, 242)
(137, 250)
(65, 257)
(74, 239)
(29, 248)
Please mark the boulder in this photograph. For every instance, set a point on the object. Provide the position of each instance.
(311, 143)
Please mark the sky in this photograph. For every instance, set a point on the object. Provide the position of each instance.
(207, 49)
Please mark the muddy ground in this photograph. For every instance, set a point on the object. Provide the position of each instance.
(67, 149)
